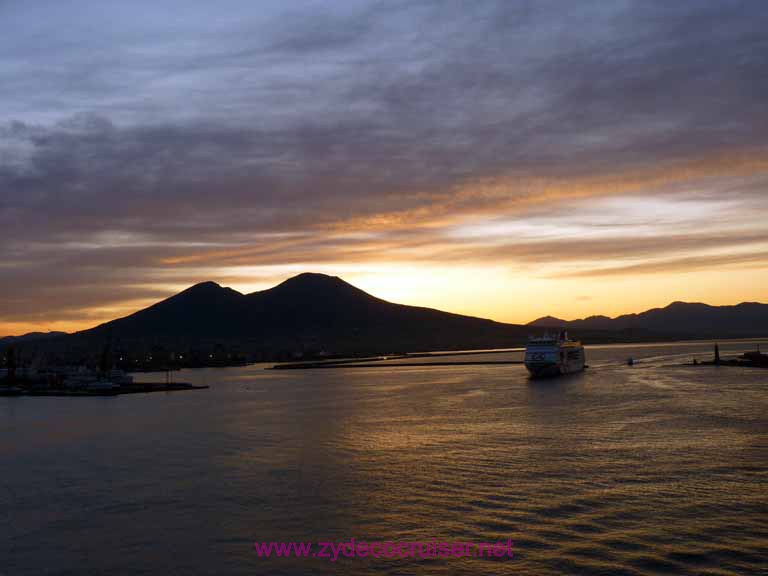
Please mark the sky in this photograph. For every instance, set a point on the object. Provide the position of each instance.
(501, 159)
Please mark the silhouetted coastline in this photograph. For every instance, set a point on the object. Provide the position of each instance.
(315, 317)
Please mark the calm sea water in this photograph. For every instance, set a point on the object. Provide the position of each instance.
(652, 469)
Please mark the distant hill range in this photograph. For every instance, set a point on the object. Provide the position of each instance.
(681, 319)
(30, 337)
(314, 315)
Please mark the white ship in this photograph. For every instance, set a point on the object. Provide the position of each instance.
(552, 355)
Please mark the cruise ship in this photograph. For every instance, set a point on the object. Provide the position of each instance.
(552, 355)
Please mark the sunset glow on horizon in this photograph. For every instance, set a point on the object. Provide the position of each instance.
(493, 160)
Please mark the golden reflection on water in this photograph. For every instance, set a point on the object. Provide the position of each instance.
(656, 468)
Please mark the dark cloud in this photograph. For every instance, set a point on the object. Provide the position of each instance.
(182, 132)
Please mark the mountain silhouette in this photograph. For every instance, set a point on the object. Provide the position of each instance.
(308, 313)
(683, 319)
(30, 337)
(314, 315)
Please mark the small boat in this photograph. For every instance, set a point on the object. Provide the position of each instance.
(553, 355)
(630, 361)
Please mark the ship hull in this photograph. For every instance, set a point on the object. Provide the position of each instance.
(543, 370)
(552, 370)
